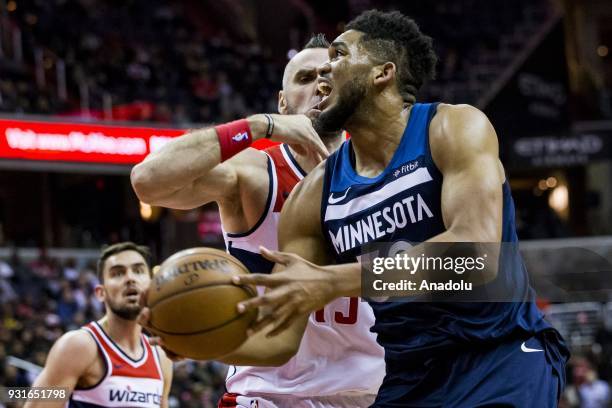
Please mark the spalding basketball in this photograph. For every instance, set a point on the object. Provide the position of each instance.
(193, 304)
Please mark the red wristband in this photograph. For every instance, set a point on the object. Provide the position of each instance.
(234, 137)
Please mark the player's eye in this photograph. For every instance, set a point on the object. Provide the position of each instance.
(306, 79)
(335, 54)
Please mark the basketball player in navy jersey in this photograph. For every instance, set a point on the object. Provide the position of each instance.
(110, 363)
(416, 173)
(338, 364)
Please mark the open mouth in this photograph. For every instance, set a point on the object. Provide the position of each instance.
(325, 89)
(131, 293)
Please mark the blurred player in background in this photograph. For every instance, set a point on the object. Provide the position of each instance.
(339, 363)
(110, 362)
(413, 173)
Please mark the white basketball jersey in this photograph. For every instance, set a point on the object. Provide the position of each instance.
(127, 382)
(338, 353)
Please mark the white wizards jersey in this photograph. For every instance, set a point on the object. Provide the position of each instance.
(338, 353)
(127, 382)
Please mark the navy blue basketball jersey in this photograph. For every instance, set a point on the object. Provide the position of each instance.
(404, 203)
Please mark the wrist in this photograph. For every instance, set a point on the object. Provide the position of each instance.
(233, 138)
(345, 279)
(259, 126)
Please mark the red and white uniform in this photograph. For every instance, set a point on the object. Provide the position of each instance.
(127, 382)
(338, 355)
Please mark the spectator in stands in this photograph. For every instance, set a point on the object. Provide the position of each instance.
(587, 390)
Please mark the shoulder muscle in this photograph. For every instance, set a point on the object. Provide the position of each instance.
(458, 134)
(61, 368)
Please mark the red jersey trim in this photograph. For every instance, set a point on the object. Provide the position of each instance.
(120, 364)
(288, 173)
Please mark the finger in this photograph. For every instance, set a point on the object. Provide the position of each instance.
(284, 317)
(272, 299)
(252, 304)
(261, 323)
(282, 258)
(318, 158)
(257, 279)
(319, 146)
(275, 305)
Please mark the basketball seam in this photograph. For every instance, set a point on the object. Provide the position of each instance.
(243, 287)
(199, 331)
(207, 251)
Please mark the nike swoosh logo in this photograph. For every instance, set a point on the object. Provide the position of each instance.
(333, 200)
(526, 349)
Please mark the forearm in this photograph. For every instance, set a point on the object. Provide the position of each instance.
(182, 161)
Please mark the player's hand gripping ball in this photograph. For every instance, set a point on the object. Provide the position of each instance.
(192, 304)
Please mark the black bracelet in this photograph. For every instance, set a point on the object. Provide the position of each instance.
(270, 125)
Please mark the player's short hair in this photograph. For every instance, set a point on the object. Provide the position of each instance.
(110, 250)
(392, 36)
(317, 41)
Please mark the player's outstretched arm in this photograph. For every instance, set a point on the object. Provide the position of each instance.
(166, 366)
(68, 360)
(189, 171)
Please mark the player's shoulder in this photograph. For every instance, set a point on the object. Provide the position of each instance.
(250, 166)
(79, 343)
(460, 128)
(250, 157)
(449, 117)
(76, 342)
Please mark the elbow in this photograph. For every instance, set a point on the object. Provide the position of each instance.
(143, 184)
(489, 232)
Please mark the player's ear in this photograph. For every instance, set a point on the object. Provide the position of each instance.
(282, 103)
(385, 73)
(99, 292)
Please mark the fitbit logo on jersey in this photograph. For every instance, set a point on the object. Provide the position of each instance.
(380, 223)
(406, 168)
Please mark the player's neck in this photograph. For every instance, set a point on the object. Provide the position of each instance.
(126, 333)
(376, 132)
(308, 162)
